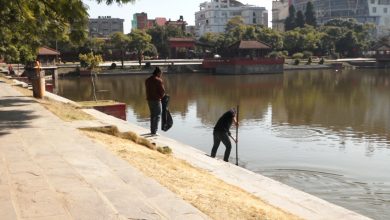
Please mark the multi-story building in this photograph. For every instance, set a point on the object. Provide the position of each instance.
(141, 21)
(179, 23)
(214, 15)
(104, 26)
(364, 11)
(279, 14)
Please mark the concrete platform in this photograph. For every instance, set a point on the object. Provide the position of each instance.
(49, 170)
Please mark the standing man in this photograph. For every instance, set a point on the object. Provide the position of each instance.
(222, 133)
(154, 93)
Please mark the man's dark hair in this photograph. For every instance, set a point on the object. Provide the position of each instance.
(156, 70)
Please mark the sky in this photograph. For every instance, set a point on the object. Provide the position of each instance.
(170, 9)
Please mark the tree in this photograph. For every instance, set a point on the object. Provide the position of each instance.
(289, 23)
(27, 25)
(349, 45)
(301, 39)
(355, 37)
(300, 20)
(293, 41)
(234, 22)
(139, 41)
(120, 42)
(310, 18)
(235, 30)
(271, 37)
(90, 60)
(213, 40)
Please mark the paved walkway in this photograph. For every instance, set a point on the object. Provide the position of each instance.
(49, 170)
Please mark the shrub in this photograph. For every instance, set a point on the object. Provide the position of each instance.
(90, 60)
(273, 54)
(296, 62)
(322, 61)
(297, 56)
(276, 54)
(113, 66)
(309, 61)
(307, 54)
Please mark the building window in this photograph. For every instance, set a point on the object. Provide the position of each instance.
(384, 10)
(372, 1)
(254, 14)
(254, 20)
(374, 9)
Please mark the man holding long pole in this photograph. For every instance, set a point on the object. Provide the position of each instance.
(222, 133)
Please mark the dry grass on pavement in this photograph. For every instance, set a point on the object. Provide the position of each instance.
(209, 194)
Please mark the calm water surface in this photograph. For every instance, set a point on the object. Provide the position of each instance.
(324, 132)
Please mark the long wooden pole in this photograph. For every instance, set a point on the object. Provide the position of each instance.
(237, 114)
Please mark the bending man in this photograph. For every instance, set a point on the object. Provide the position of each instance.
(222, 133)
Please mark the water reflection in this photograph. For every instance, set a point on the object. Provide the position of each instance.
(353, 104)
(325, 132)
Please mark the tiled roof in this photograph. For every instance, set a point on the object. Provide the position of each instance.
(47, 51)
(250, 44)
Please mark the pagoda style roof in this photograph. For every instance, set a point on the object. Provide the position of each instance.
(249, 44)
(44, 51)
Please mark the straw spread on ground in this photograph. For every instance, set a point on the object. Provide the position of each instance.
(209, 194)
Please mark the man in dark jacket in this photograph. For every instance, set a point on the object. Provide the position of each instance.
(154, 93)
(222, 133)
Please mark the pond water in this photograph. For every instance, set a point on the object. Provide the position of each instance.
(324, 132)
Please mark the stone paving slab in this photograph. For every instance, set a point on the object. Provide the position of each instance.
(49, 170)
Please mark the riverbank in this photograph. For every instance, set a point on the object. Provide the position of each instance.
(272, 192)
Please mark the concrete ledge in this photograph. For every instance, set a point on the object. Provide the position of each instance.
(275, 193)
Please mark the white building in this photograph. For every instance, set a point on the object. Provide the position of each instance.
(364, 11)
(279, 14)
(213, 16)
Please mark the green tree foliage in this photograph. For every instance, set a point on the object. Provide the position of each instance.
(271, 37)
(290, 22)
(90, 60)
(26, 25)
(349, 37)
(213, 40)
(236, 30)
(301, 39)
(233, 23)
(310, 18)
(300, 20)
(120, 42)
(293, 41)
(139, 41)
